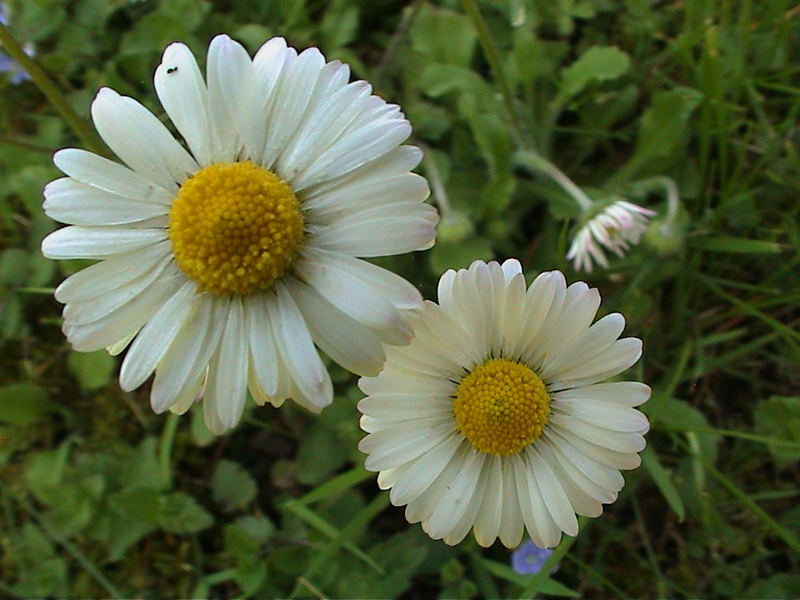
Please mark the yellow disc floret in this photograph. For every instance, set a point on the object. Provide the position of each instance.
(501, 407)
(234, 227)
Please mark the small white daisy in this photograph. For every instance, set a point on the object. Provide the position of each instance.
(616, 227)
(496, 417)
(225, 261)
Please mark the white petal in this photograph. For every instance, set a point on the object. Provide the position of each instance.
(109, 176)
(140, 139)
(543, 301)
(629, 393)
(555, 499)
(70, 201)
(295, 88)
(227, 376)
(490, 514)
(190, 394)
(598, 435)
(183, 94)
(457, 497)
(421, 508)
(396, 162)
(397, 290)
(512, 524)
(327, 208)
(231, 71)
(126, 319)
(513, 315)
(322, 128)
(225, 141)
(187, 359)
(541, 528)
(376, 237)
(581, 501)
(511, 268)
(582, 454)
(608, 415)
(156, 337)
(302, 360)
(620, 355)
(263, 351)
(97, 306)
(354, 149)
(355, 297)
(114, 272)
(403, 443)
(584, 346)
(98, 242)
(344, 339)
(389, 382)
(421, 473)
(563, 323)
(405, 407)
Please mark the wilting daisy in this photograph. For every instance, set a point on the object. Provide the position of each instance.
(225, 261)
(496, 418)
(616, 227)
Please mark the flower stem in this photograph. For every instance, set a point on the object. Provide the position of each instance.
(56, 97)
(533, 161)
(165, 450)
(495, 64)
(529, 156)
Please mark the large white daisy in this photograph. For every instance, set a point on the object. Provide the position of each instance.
(496, 416)
(225, 261)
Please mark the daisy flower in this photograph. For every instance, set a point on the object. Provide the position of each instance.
(225, 260)
(496, 417)
(616, 227)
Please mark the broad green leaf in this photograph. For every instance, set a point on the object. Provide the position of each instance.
(779, 417)
(92, 369)
(14, 264)
(456, 256)
(664, 125)
(23, 403)
(180, 513)
(663, 481)
(133, 514)
(444, 35)
(724, 243)
(598, 63)
(259, 528)
(232, 486)
(321, 454)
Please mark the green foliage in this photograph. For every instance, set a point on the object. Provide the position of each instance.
(100, 497)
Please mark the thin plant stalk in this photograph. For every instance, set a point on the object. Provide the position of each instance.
(51, 91)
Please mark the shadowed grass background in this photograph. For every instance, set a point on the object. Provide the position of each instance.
(100, 497)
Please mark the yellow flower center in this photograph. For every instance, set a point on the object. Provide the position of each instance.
(501, 407)
(234, 227)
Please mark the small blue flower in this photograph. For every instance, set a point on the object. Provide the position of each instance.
(528, 558)
(8, 65)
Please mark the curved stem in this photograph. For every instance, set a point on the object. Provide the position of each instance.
(165, 450)
(670, 191)
(51, 91)
(533, 161)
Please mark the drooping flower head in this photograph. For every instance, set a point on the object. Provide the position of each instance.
(616, 228)
(497, 416)
(225, 260)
